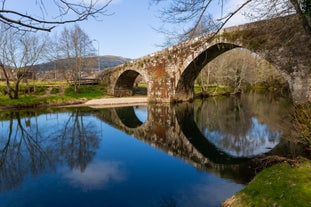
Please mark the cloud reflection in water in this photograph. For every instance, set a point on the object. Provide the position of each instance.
(259, 139)
(96, 176)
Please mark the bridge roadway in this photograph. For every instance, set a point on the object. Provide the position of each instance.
(170, 73)
(174, 131)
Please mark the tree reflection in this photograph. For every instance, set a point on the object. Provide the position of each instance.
(78, 141)
(21, 153)
(30, 145)
(234, 126)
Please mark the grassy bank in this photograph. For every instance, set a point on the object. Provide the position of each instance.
(213, 90)
(45, 93)
(224, 90)
(280, 185)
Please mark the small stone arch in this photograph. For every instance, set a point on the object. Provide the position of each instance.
(125, 82)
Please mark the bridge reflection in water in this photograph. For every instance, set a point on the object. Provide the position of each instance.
(215, 136)
(218, 136)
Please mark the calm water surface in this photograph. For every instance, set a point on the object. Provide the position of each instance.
(192, 154)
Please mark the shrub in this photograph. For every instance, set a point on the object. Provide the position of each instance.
(301, 119)
(55, 90)
(3, 90)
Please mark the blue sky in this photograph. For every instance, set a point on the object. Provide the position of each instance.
(129, 32)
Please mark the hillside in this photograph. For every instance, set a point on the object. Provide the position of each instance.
(106, 61)
(109, 61)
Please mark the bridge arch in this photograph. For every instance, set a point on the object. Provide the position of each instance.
(125, 82)
(185, 83)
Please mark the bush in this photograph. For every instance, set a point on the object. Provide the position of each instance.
(301, 119)
(3, 90)
(34, 90)
(55, 90)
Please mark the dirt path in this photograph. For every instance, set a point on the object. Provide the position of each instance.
(109, 102)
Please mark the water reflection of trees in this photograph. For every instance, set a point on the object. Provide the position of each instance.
(21, 153)
(235, 124)
(28, 146)
(78, 141)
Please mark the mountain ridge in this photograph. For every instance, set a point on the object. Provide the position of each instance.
(106, 61)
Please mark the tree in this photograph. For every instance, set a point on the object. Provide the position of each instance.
(237, 68)
(74, 45)
(193, 12)
(19, 52)
(39, 18)
(59, 12)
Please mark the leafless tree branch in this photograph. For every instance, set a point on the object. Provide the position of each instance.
(185, 12)
(68, 12)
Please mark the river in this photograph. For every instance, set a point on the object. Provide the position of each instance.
(188, 154)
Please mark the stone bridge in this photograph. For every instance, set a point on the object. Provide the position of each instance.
(170, 73)
(174, 131)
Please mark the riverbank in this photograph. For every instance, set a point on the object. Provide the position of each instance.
(116, 102)
(59, 94)
(93, 103)
(283, 185)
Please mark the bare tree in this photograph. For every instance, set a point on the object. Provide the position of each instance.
(39, 18)
(194, 12)
(59, 12)
(238, 68)
(19, 52)
(74, 46)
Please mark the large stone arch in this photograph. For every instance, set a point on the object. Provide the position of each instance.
(185, 82)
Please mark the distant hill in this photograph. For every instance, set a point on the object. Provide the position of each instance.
(106, 61)
(109, 61)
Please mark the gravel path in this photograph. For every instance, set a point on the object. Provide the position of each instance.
(109, 102)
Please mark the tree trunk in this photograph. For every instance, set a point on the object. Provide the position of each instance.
(304, 18)
(7, 80)
(16, 96)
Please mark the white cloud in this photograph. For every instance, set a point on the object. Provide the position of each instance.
(96, 175)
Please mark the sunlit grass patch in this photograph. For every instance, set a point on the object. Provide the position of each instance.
(58, 93)
(86, 91)
(279, 185)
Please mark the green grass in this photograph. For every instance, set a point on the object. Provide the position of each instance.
(279, 185)
(55, 96)
(33, 100)
(87, 91)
